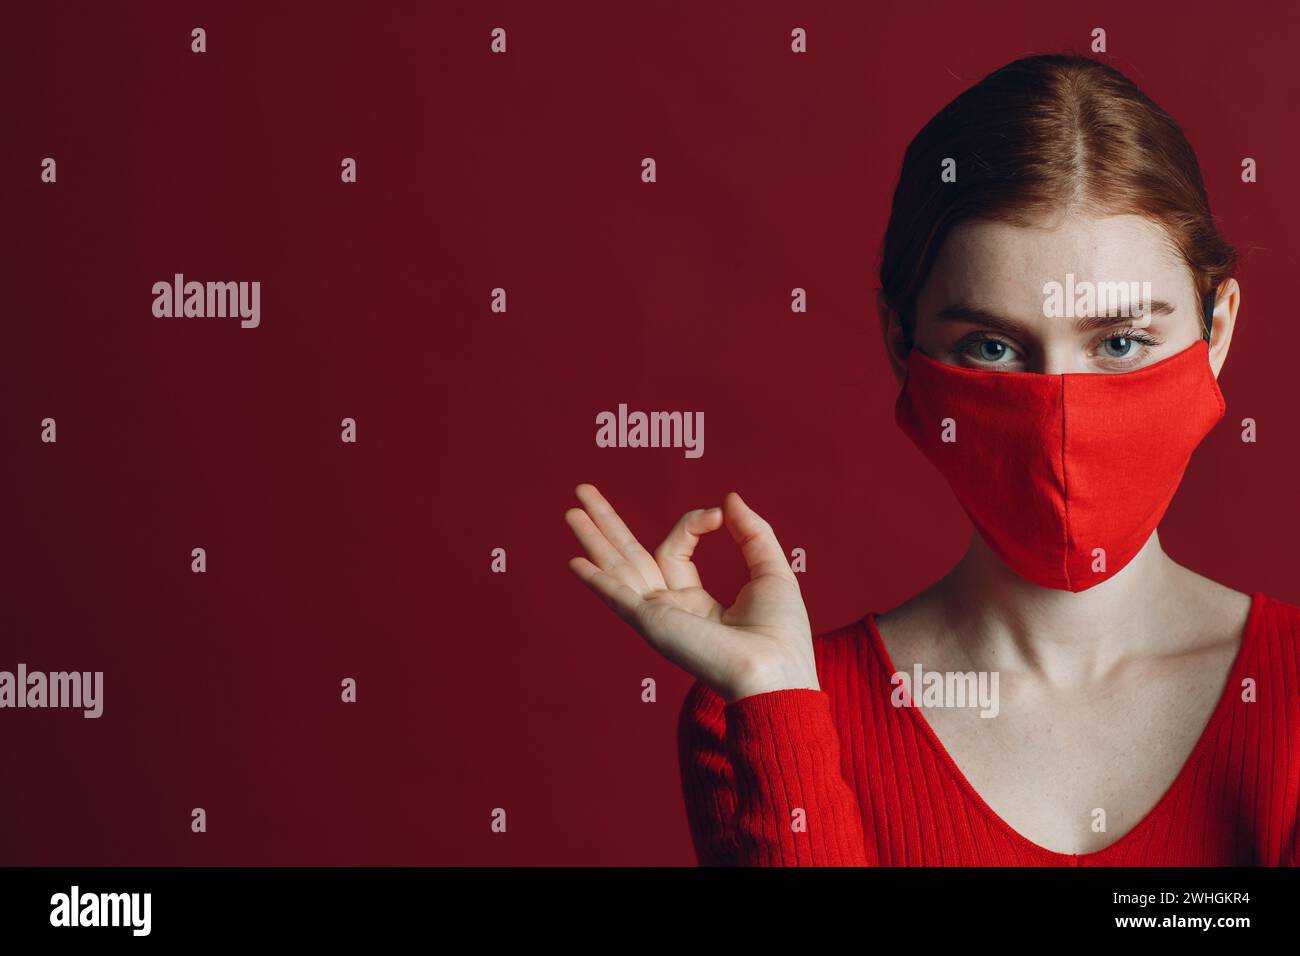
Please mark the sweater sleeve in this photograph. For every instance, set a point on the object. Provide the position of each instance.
(750, 766)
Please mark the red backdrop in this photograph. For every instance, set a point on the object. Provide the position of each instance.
(372, 560)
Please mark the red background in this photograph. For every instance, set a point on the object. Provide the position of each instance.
(327, 560)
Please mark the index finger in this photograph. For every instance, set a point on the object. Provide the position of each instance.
(674, 555)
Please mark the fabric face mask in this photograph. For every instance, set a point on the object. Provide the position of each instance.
(1065, 476)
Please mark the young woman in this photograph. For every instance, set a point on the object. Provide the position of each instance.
(1142, 714)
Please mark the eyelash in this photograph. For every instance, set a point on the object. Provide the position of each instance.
(1142, 337)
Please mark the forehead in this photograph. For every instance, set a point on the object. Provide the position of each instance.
(982, 260)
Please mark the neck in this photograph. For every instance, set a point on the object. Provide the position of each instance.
(1008, 621)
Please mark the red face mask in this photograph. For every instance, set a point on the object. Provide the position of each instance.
(1065, 476)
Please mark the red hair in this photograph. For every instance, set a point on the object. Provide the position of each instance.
(1041, 134)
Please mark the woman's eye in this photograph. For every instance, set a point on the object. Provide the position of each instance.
(1118, 346)
(991, 350)
(983, 351)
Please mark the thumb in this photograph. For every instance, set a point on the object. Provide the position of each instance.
(757, 540)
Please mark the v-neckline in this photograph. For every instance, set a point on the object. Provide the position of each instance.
(1221, 708)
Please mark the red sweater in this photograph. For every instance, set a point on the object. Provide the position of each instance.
(878, 788)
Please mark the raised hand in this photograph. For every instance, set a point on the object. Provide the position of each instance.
(762, 642)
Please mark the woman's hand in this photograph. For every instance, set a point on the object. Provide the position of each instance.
(763, 642)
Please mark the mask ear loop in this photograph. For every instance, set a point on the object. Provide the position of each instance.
(1207, 318)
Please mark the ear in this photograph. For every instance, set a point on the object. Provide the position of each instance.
(1226, 305)
(895, 342)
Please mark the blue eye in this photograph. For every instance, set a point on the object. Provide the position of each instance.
(1122, 346)
(981, 350)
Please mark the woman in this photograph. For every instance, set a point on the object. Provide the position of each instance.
(1141, 714)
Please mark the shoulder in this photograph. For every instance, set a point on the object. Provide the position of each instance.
(1270, 667)
(1274, 672)
(1274, 653)
(1275, 626)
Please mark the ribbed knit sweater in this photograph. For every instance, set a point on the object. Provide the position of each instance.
(877, 786)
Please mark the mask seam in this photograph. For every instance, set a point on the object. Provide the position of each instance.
(1065, 493)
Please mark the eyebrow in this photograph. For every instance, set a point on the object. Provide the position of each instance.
(967, 313)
